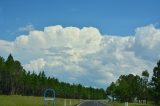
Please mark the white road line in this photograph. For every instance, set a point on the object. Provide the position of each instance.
(81, 103)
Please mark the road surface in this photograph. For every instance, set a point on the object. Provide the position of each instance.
(92, 103)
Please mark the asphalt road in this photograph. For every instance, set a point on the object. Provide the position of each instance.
(92, 103)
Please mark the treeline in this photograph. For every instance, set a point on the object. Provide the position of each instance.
(15, 80)
(137, 88)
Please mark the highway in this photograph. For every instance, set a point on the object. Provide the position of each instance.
(92, 103)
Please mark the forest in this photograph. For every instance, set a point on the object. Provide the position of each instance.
(131, 88)
(15, 80)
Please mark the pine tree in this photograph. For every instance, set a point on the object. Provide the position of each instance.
(2, 64)
(156, 84)
(145, 76)
(15, 80)
(9, 73)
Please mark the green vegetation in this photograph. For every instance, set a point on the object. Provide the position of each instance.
(133, 88)
(130, 104)
(14, 80)
(123, 103)
(15, 100)
(155, 84)
(127, 87)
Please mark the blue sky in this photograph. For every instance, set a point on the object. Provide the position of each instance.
(116, 17)
(108, 38)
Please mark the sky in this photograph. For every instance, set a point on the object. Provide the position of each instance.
(91, 42)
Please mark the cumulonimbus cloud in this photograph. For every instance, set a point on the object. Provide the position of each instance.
(85, 55)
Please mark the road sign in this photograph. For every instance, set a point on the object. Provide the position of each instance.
(49, 95)
(126, 103)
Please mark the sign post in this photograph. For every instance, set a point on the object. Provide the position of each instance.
(49, 95)
(126, 103)
(70, 103)
(65, 102)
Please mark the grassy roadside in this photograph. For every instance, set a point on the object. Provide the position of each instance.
(123, 104)
(16, 100)
(129, 104)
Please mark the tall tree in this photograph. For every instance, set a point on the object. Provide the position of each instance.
(126, 88)
(9, 75)
(15, 80)
(156, 84)
(111, 90)
(145, 76)
(2, 65)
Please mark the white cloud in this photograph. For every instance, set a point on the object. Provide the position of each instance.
(84, 55)
(147, 42)
(27, 28)
(35, 65)
(5, 47)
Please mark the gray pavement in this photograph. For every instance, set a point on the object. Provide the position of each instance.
(92, 103)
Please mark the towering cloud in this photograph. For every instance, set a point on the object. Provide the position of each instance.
(84, 55)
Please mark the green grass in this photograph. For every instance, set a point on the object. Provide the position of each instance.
(16, 100)
(129, 104)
